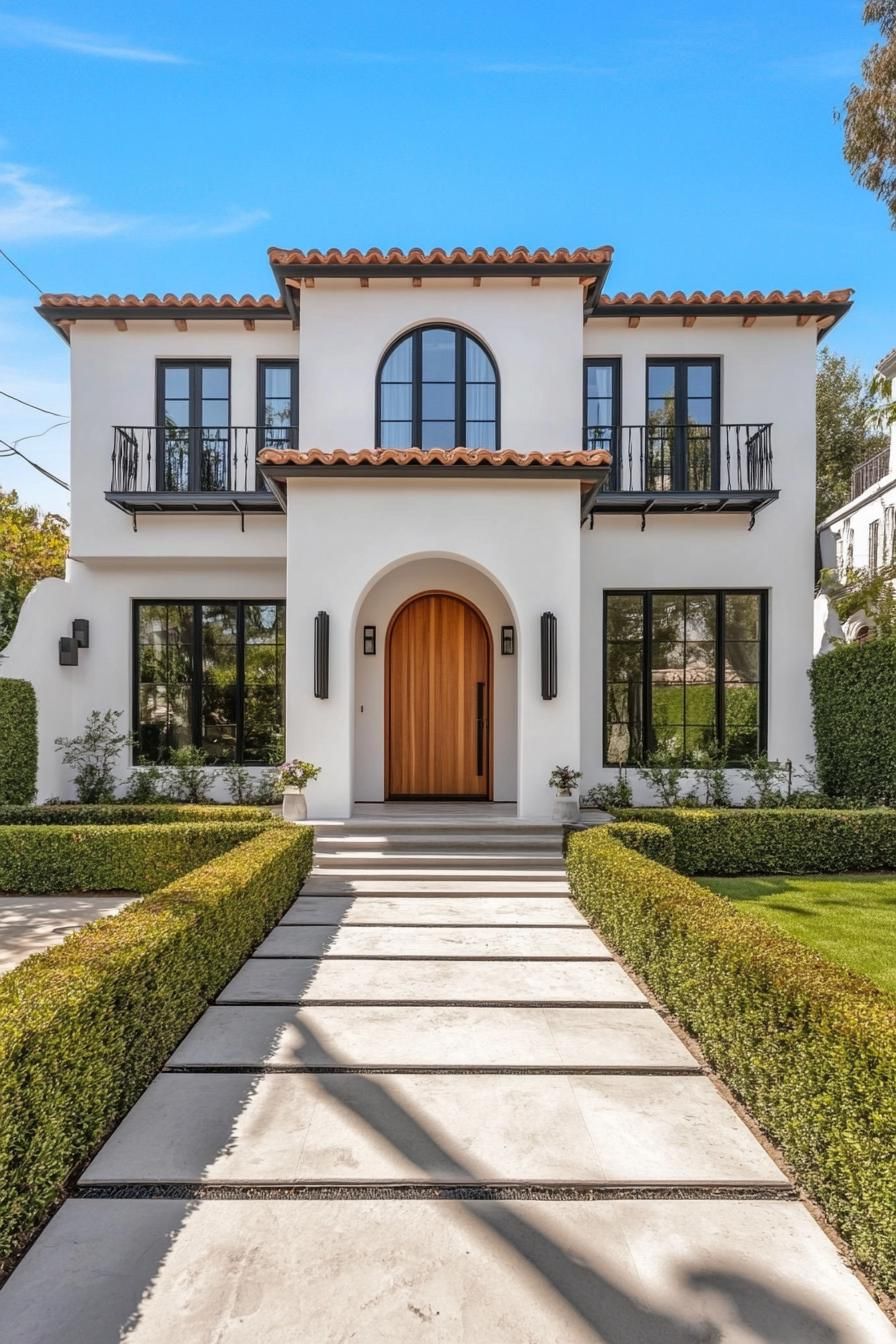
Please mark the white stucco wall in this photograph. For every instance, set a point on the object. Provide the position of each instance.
(767, 375)
(524, 536)
(533, 332)
(114, 383)
(103, 594)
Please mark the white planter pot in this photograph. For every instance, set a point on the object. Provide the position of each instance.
(566, 810)
(295, 807)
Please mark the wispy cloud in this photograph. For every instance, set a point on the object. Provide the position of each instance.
(19, 32)
(451, 60)
(30, 210)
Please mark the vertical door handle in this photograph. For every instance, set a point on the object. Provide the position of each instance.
(480, 728)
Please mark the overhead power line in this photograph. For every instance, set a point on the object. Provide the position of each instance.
(30, 404)
(36, 465)
(23, 274)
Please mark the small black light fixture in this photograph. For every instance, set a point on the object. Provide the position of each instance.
(370, 639)
(68, 651)
(508, 640)
(548, 656)
(81, 633)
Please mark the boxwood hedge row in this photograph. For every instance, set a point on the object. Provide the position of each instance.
(127, 814)
(854, 712)
(111, 858)
(746, 840)
(86, 1025)
(809, 1047)
(18, 741)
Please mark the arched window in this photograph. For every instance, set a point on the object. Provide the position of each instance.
(437, 387)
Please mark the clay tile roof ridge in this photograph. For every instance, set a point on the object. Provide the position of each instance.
(430, 456)
(438, 256)
(774, 297)
(164, 301)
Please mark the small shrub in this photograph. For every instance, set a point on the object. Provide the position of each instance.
(753, 841)
(244, 787)
(607, 797)
(664, 774)
(85, 1026)
(93, 755)
(767, 778)
(564, 779)
(185, 778)
(296, 775)
(809, 1047)
(111, 858)
(18, 741)
(713, 777)
(145, 784)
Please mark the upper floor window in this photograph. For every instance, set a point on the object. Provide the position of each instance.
(682, 424)
(193, 415)
(873, 545)
(437, 387)
(278, 402)
(601, 403)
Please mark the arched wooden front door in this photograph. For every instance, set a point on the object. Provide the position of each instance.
(438, 700)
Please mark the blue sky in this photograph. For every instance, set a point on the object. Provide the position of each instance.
(164, 147)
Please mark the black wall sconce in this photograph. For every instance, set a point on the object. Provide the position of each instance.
(322, 656)
(70, 644)
(508, 639)
(370, 639)
(548, 656)
(68, 651)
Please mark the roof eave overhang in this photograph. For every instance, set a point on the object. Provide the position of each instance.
(832, 311)
(57, 315)
(277, 473)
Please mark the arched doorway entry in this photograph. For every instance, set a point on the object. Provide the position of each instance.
(438, 707)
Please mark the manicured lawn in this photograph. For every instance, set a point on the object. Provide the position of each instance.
(849, 917)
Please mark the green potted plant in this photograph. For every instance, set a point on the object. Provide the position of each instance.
(292, 778)
(564, 780)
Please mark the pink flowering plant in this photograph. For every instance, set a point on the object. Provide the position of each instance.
(564, 779)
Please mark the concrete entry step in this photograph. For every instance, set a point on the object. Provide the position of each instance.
(294, 940)
(447, 1271)
(298, 1128)
(554, 911)
(419, 869)
(265, 980)
(486, 858)
(443, 1037)
(399, 885)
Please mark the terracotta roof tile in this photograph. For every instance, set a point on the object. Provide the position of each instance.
(160, 301)
(501, 256)
(736, 297)
(446, 457)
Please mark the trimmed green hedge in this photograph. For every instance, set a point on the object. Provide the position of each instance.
(653, 841)
(85, 1026)
(112, 858)
(855, 721)
(18, 741)
(127, 814)
(808, 1046)
(752, 841)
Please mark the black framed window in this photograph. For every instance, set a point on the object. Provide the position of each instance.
(437, 387)
(682, 424)
(193, 416)
(601, 404)
(210, 675)
(278, 402)
(873, 546)
(685, 673)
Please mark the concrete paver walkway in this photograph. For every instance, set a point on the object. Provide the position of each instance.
(433, 1107)
(30, 924)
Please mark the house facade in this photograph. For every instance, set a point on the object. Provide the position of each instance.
(444, 520)
(860, 537)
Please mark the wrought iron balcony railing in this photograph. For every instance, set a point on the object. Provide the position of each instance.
(686, 459)
(869, 473)
(195, 459)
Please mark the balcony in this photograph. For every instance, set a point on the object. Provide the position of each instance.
(193, 469)
(689, 468)
(869, 473)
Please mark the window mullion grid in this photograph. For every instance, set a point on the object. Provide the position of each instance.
(460, 391)
(763, 671)
(240, 682)
(417, 390)
(647, 662)
(721, 708)
(198, 671)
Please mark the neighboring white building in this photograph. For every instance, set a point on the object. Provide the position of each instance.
(458, 517)
(861, 535)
